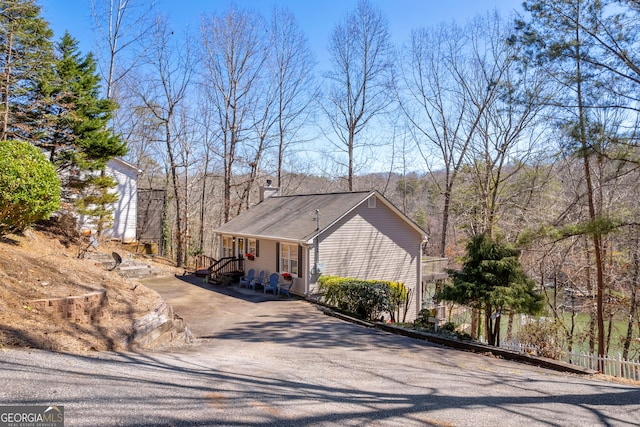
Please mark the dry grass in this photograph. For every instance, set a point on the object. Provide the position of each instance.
(43, 264)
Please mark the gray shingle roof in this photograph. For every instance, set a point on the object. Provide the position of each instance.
(293, 217)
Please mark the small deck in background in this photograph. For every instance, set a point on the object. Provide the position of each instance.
(434, 269)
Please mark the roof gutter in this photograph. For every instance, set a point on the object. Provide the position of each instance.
(257, 236)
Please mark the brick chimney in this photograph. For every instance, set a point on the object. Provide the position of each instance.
(268, 191)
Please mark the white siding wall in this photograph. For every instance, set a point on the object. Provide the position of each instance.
(125, 209)
(298, 282)
(265, 259)
(374, 243)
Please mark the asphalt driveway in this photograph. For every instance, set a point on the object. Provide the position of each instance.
(269, 361)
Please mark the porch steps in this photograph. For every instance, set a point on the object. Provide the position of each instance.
(226, 279)
(201, 273)
(130, 267)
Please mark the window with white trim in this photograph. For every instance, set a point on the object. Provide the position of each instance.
(289, 258)
(252, 247)
(227, 246)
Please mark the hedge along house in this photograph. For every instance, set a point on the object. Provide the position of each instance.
(354, 234)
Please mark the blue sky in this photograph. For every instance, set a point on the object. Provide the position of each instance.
(316, 17)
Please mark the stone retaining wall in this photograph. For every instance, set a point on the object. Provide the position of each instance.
(82, 309)
(160, 328)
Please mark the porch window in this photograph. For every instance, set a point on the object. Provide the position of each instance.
(227, 246)
(289, 258)
(252, 247)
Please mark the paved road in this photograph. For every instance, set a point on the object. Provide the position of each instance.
(263, 361)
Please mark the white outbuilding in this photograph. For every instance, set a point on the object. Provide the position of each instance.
(125, 210)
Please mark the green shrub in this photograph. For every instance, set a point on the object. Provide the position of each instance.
(448, 326)
(368, 299)
(422, 321)
(30, 186)
(399, 299)
(447, 329)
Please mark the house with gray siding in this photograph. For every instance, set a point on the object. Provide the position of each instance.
(352, 234)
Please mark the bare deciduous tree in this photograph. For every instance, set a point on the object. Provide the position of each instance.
(508, 139)
(208, 137)
(290, 64)
(447, 97)
(233, 53)
(361, 81)
(121, 26)
(163, 93)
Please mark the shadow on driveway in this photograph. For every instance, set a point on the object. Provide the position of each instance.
(245, 294)
(285, 363)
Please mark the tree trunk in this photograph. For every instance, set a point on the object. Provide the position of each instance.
(609, 331)
(632, 304)
(5, 89)
(280, 150)
(185, 217)
(488, 325)
(229, 158)
(350, 150)
(510, 326)
(445, 218)
(179, 249)
(596, 236)
(475, 327)
(203, 203)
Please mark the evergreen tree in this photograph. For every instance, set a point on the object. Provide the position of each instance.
(493, 281)
(97, 199)
(77, 136)
(76, 116)
(25, 53)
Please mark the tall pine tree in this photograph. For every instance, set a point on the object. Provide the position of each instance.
(568, 38)
(76, 116)
(25, 53)
(77, 136)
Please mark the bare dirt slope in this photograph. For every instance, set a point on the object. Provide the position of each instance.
(42, 263)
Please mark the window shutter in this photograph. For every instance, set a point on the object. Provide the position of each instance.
(277, 257)
(257, 248)
(299, 260)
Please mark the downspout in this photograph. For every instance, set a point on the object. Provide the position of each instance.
(316, 257)
(419, 296)
(316, 251)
